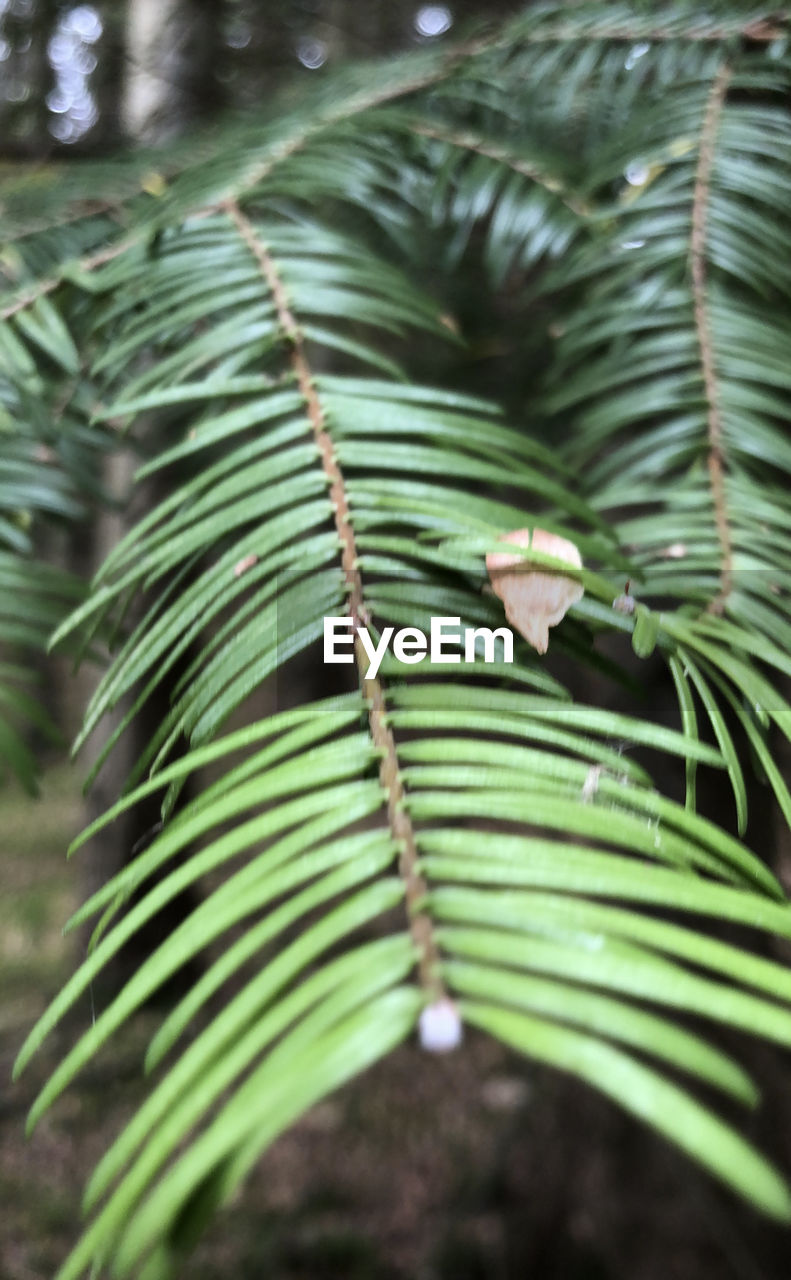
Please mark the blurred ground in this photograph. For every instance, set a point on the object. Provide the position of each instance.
(468, 1167)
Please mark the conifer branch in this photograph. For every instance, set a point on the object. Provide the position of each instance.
(381, 733)
(491, 151)
(758, 30)
(716, 459)
(88, 263)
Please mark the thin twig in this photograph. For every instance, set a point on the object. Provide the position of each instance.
(716, 458)
(363, 101)
(381, 733)
(760, 30)
(483, 147)
(88, 263)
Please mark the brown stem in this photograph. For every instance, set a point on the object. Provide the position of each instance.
(50, 285)
(484, 147)
(352, 107)
(381, 733)
(760, 31)
(716, 457)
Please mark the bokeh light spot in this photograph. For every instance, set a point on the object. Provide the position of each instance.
(433, 20)
(312, 53)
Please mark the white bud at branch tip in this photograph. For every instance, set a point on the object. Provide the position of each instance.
(440, 1027)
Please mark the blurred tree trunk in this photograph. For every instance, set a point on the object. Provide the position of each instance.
(26, 79)
(147, 88)
(173, 62)
(155, 103)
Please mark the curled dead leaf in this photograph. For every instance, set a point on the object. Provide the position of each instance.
(535, 599)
